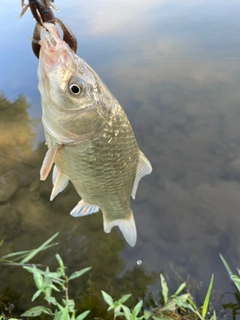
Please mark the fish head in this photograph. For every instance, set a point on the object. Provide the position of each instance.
(74, 100)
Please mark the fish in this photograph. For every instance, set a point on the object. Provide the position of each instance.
(89, 137)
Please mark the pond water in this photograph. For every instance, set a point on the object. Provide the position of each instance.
(174, 66)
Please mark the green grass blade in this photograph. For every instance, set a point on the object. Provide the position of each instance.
(79, 273)
(107, 298)
(137, 308)
(226, 265)
(10, 255)
(39, 249)
(190, 301)
(124, 298)
(147, 314)
(164, 288)
(180, 288)
(236, 281)
(214, 317)
(231, 275)
(21, 255)
(35, 311)
(60, 261)
(83, 315)
(206, 300)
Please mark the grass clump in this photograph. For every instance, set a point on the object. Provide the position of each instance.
(121, 310)
(51, 285)
(177, 306)
(47, 282)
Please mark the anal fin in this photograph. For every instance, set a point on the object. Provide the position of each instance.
(48, 161)
(127, 227)
(60, 182)
(143, 168)
(83, 208)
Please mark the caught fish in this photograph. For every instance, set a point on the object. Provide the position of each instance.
(90, 140)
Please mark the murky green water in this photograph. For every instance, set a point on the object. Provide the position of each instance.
(175, 68)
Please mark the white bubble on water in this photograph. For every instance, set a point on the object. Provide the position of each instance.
(139, 262)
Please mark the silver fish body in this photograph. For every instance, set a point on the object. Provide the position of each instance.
(89, 137)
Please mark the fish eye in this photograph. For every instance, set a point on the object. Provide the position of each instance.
(75, 89)
(76, 86)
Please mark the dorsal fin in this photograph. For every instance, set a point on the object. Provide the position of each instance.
(48, 161)
(143, 168)
(60, 182)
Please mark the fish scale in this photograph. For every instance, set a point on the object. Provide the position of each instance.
(111, 172)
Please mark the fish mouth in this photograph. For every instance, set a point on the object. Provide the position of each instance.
(54, 51)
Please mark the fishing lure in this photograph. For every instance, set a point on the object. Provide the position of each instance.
(42, 13)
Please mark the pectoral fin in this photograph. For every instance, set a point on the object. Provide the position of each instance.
(83, 208)
(48, 162)
(143, 168)
(127, 227)
(60, 182)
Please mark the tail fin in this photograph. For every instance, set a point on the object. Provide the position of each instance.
(127, 227)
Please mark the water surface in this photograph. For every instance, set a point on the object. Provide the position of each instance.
(174, 67)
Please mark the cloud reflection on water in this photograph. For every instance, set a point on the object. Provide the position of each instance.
(188, 125)
(174, 66)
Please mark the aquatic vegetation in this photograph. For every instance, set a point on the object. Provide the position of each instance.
(235, 307)
(53, 287)
(120, 309)
(47, 282)
(233, 277)
(182, 303)
(178, 306)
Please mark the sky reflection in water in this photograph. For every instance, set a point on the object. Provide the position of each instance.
(174, 67)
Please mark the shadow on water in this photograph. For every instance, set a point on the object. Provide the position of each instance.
(28, 218)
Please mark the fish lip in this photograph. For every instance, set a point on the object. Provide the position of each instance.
(54, 51)
(50, 30)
